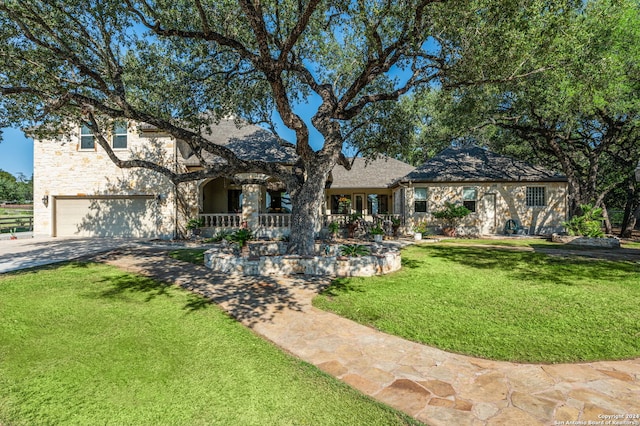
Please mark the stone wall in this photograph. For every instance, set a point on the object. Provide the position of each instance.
(269, 259)
(586, 241)
(495, 204)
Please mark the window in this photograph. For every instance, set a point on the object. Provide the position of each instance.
(420, 200)
(278, 202)
(469, 198)
(536, 196)
(119, 137)
(234, 201)
(377, 204)
(341, 204)
(87, 140)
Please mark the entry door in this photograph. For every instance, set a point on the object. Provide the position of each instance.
(488, 214)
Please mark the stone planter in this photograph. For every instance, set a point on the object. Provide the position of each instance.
(225, 258)
(609, 242)
(417, 236)
(377, 238)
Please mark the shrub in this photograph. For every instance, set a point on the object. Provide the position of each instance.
(589, 224)
(241, 236)
(195, 223)
(451, 214)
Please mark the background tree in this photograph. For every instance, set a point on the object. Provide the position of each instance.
(581, 115)
(14, 189)
(181, 65)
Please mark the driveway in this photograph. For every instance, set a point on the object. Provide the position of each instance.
(27, 253)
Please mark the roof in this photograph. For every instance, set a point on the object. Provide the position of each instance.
(462, 164)
(378, 173)
(248, 142)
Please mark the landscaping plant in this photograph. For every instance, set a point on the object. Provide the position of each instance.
(354, 250)
(588, 224)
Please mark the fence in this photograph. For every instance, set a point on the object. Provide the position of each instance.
(16, 223)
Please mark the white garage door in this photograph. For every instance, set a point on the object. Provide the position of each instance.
(134, 216)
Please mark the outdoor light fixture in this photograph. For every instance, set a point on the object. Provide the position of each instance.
(45, 200)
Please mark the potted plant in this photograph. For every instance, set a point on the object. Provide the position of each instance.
(13, 234)
(451, 215)
(354, 221)
(194, 225)
(377, 233)
(395, 225)
(419, 228)
(334, 228)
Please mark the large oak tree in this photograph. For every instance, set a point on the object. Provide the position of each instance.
(180, 65)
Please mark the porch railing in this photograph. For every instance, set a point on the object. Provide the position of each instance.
(221, 220)
(376, 220)
(275, 220)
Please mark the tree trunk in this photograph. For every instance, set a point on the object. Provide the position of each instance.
(607, 223)
(306, 202)
(631, 210)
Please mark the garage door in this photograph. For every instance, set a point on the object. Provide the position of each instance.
(114, 216)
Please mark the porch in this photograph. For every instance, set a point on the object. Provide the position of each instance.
(272, 225)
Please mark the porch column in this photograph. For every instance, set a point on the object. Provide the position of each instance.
(409, 208)
(251, 205)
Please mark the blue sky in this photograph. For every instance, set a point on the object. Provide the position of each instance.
(16, 152)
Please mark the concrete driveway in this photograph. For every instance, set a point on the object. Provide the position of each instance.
(27, 253)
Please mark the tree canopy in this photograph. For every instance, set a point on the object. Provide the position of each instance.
(581, 115)
(180, 65)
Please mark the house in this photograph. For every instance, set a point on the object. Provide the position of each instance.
(83, 193)
(495, 188)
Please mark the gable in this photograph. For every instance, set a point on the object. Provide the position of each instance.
(378, 173)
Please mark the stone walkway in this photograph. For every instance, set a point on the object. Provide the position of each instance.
(435, 387)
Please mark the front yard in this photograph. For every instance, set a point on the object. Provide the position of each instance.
(86, 343)
(503, 304)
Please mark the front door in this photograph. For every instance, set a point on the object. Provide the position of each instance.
(359, 204)
(488, 214)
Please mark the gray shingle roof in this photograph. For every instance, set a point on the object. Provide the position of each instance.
(249, 142)
(460, 164)
(378, 173)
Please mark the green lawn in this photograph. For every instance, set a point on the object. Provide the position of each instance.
(500, 304)
(86, 343)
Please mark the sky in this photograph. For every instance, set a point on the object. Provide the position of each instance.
(16, 152)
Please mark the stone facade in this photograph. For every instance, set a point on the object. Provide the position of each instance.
(62, 169)
(496, 203)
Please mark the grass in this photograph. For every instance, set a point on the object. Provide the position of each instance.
(85, 343)
(192, 255)
(500, 304)
(15, 212)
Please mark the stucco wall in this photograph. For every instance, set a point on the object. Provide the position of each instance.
(61, 168)
(495, 204)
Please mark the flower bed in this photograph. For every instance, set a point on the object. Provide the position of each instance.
(270, 258)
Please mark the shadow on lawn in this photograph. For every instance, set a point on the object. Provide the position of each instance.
(247, 298)
(531, 266)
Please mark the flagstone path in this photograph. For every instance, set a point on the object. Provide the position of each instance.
(433, 386)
